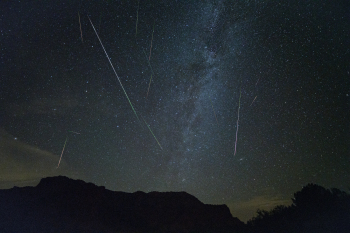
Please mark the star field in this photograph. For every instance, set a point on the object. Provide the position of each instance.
(183, 72)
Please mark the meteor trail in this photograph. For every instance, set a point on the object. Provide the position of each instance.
(239, 106)
(150, 50)
(148, 62)
(114, 70)
(73, 132)
(149, 85)
(137, 17)
(152, 133)
(62, 152)
(253, 100)
(81, 32)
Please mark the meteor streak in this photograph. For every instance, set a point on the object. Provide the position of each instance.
(149, 85)
(62, 152)
(73, 132)
(137, 17)
(114, 71)
(152, 133)
(81, 32)
(148, 62)
(150, 50)
(239, 106)
(253, 100)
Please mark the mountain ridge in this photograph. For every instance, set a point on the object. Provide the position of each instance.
(59, 204)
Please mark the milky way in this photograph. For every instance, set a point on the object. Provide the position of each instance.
(187, 71)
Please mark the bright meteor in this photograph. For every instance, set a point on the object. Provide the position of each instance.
(114, 71)
(62, 152)
(152, 133)
(239, 106)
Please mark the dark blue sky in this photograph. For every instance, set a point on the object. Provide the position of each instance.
(183, 71)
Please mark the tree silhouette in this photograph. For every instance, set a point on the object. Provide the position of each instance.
(314, 209)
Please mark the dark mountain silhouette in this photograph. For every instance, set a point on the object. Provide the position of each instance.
(314, 209)
(60, 204)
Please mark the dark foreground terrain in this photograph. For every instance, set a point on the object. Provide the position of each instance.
(314, 209)
(60, 204)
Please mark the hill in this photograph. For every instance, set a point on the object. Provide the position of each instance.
(61, 204)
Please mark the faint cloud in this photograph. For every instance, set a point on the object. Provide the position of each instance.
(24, 165)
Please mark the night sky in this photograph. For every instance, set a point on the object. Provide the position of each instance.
(189, 69)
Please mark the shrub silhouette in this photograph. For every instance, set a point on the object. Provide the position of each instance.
(314, 209)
